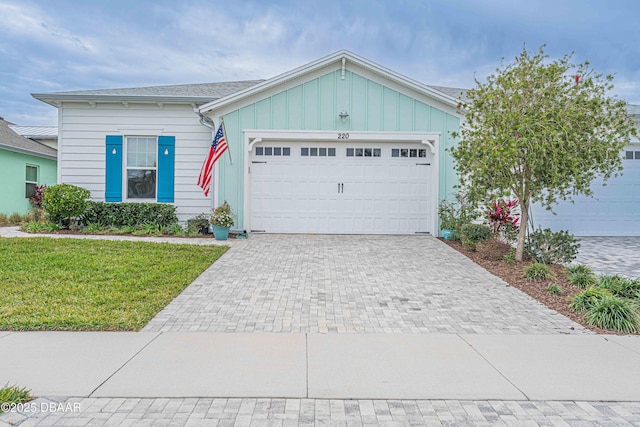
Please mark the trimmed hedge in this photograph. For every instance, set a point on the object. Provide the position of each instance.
(129, 214)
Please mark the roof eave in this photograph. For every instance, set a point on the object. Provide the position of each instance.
(55, 98)
(323, 62)
(27, 151)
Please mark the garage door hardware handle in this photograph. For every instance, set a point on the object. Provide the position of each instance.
(423, 164)
(257, 162)
(340, 188)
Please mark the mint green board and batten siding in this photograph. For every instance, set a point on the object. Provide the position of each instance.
(315, 105)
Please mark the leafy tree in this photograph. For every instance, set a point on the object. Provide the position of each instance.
(540, 131)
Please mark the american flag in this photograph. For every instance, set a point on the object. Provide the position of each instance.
(218, 147)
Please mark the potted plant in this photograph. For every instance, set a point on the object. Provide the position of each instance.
(222, 220)
(449, 222)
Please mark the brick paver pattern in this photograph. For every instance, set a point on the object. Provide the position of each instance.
(354, 284)
(307, 412)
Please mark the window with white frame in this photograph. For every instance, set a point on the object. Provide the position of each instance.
(141, 167)
(31, 180)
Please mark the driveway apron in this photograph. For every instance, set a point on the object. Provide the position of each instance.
(353, 284)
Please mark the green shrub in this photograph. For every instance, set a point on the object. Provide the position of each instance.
(611, 312)
(552, 248)
(586, 299)
(64, 202)
(578, 268)
(174, 229)
(537, 272)
(129, 214)
(510, 258)
(197, 223)
(581, 279)
(619, 285)
(554, 289)
(472, 234)
(4, 220)
(454, 214)
(15, 219)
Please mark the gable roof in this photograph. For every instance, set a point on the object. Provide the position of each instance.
(10, 140)
(338, 57)
(198, 93)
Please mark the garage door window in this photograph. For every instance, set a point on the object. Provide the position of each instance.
(632, 155)
(273, 151)
(408, 152)
(317, 152)
(364, 152)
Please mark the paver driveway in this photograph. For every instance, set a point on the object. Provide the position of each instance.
(353, 284)
(611, 255)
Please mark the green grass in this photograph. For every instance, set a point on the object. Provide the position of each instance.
(74, 284)
(13, 395)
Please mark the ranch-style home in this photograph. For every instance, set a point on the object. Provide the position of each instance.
(340, 145)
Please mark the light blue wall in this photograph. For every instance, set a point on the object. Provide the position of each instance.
(314, 105)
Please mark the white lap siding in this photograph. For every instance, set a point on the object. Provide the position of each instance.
(82, 132)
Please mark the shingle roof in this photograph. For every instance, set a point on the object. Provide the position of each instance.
(202, 92)
(453, 92)
(36, 132)
(12, 141)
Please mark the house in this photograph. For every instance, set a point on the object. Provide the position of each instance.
(339, 145)
(24, 163)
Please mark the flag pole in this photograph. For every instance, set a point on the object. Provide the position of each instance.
(226, 135)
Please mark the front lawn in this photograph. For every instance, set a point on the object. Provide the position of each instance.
(75, 284)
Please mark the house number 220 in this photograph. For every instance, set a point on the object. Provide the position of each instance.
(343, 136)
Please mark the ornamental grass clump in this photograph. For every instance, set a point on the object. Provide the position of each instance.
(611, 312)
(620, 286)
(580, 276)
(537, 272)
(588, 298)
(554, 289)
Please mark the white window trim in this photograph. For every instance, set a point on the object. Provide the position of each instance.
(26, 181)
(254, 136)
(125, 169)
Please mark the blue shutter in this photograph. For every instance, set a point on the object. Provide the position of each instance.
(166, 168)
(113, 187)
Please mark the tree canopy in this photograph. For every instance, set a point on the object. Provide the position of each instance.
(541, 131)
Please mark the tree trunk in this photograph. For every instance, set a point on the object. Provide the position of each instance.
(522, 233)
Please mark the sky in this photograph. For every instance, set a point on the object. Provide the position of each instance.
(64, 45)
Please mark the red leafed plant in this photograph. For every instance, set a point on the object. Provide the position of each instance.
(36, 199)
(502, 218)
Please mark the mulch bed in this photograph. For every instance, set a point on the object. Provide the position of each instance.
(490, 256)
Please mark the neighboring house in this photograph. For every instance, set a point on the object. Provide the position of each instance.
(614, 209)
(24, 163)
(47, 135)
(340, 145)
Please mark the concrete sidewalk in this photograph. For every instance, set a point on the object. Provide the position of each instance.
(346, 366)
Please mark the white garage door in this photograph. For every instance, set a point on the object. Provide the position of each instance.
(348, 188)
(613, 211)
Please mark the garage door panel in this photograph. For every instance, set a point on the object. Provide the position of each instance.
(613, 211)
(341, 194)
